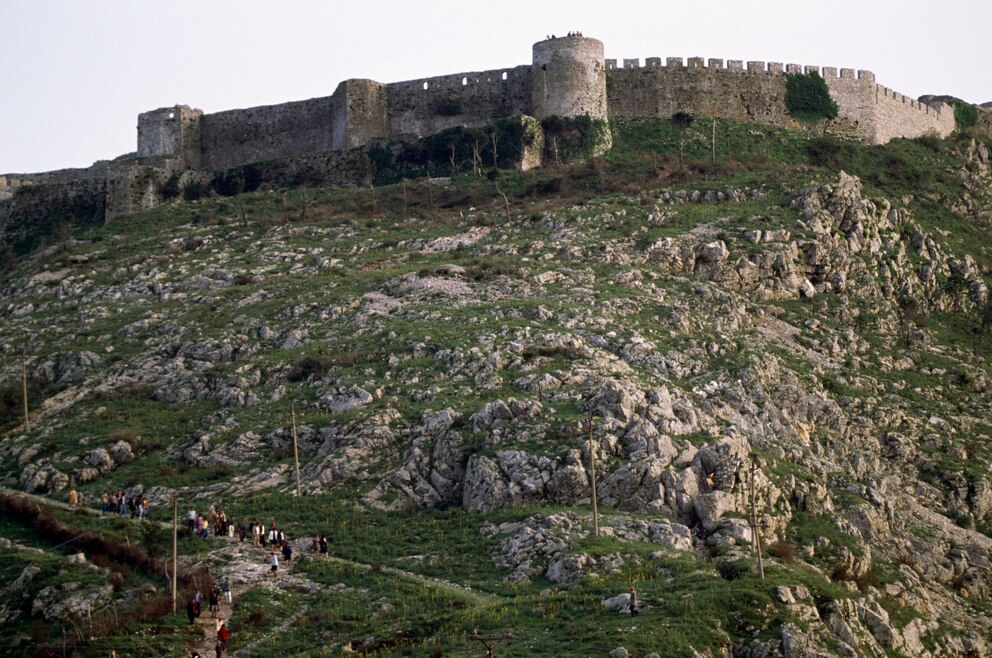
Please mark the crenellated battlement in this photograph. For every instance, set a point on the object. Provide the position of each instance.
(736, 65)
(754, 90)
(567, 77)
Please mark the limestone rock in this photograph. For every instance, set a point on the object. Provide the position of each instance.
(618, 603)
(70, 601)
(100, 458)
(69, 367)
(567, 568)
(351, 398)
(43, 478)
(121, 452)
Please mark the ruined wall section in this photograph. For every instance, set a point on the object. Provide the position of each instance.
(11, 183)
(902, 116)
(430, 105)
(237, 137)
(171, 132)
(360, 113)
(33, 211)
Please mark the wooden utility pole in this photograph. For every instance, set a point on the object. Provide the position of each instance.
(430, 193)
(296, 451)
(24, 388)
(175, 544)
(490, 641)
(714, 140)
(755, 529)
(592, 472)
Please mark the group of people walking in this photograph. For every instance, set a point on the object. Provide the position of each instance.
(119, 503)
(195, 605)
(114, 502)
(221, 525)
(216, 521)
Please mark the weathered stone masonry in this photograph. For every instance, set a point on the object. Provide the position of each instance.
(567, 77)
(756, 92)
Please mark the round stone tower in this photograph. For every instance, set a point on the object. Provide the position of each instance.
(568, 78)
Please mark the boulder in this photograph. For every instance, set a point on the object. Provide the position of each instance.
(484, 489)
(617, 399)
(43, 478)
(618, 603)
(70, 601)
(568, 568)
(709, 507)
(100, 459)
(450, 269)
(635, 486)
(294, 339)
(67, 368)
(121, 452)
(352, 398)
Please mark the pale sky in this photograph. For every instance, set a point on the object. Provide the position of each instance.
(74, 74)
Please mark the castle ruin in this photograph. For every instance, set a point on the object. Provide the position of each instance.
(568, 77)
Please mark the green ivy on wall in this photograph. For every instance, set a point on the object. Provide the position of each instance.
(807, 98)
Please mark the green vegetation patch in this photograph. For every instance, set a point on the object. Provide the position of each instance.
(807, 98)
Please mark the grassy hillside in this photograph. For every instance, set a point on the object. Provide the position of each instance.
(795, 329)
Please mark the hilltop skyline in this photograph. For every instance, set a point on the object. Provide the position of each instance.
(75, 99)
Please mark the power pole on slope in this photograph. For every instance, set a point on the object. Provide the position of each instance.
(24, 388)
(755, 529)
(592, 473)
(175, 543)
(296, 452)
(490, 641)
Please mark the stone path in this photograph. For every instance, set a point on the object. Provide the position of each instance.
(247, 568)
(286, 623)
(476, 597)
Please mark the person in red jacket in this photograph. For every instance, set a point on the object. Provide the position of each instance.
(222, 636)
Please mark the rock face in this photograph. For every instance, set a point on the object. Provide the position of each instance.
(43, 478)
(69, 367)
(541, 545)
(70, 601)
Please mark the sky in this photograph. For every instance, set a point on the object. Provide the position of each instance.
(75, 74)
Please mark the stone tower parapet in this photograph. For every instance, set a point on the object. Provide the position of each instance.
(360, 113)
(568, 78)
(171, 132)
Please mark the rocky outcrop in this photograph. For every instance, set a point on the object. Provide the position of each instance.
(541, 545)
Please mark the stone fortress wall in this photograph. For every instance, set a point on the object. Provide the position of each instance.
(567, 77)
(756, 92)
